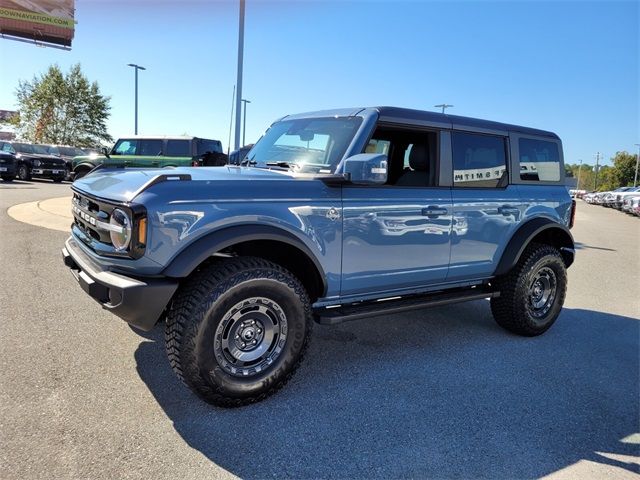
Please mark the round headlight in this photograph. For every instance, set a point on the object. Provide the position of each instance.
(36, 163)
(120, 237)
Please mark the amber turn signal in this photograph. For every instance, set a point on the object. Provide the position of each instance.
(142, 231)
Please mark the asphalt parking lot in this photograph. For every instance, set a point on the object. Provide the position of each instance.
(439, 393)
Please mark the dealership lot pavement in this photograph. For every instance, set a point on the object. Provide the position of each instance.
(436, 393)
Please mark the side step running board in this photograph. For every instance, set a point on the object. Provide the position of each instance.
(332, 316)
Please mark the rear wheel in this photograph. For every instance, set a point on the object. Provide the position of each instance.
(532, 293)
(237, 330)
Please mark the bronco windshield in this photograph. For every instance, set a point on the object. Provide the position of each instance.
(313, 145)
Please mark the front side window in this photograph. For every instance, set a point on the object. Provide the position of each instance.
(178, 148)
(412, 155)
(479, 161)
(125, 147)
(539, 160)
(23, 147)
(308, 145)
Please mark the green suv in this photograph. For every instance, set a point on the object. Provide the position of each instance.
(158, 152)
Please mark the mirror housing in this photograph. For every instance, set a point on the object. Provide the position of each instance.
(105, 152)
(366, 169)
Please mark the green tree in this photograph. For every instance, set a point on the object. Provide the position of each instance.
(63, 109)
(625, 166)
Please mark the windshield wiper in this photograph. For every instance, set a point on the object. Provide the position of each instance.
(280, 164)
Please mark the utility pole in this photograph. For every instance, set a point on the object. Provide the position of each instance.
(579, 170)
(239, 80)
(443, 106)
(136, 67)
(595, 181)
(635, 179)
(244, 120)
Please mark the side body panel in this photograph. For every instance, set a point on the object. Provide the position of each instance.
(391, 241)
(492, 216)
(308, 210)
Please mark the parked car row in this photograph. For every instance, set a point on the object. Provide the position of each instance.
(27, 160)
(626, 199)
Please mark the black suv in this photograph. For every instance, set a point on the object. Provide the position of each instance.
(67, 154)
(8, 168)
(35, 161)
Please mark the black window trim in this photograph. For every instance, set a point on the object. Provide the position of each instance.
(507, 156)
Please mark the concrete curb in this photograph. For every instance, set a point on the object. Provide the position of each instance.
(53, 213)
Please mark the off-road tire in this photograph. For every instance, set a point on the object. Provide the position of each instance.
(205, 300)
(57, 179)
(513, 309)
(23, 173)
(7, 178)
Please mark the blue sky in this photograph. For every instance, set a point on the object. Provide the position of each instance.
(570, 67)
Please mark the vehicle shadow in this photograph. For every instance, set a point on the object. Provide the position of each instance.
(435, 393)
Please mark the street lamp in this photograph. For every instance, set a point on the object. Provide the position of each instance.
(635, 179)
(244, 119)
(443, 106)
(136, 68)
(579, 170)
(239, 74)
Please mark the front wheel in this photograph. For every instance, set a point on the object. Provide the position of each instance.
(7, 178)
(23, 173)
(532, 293)
(237, 330)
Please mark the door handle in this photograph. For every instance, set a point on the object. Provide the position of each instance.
(433, 212)
(507, 210)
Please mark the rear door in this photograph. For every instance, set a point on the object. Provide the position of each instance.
(486, 208)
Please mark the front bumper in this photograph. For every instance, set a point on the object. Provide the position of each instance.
(139, 302)
(8, 170)
(49, 172)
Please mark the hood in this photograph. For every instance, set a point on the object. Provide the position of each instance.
(124, 185)
(40, 156)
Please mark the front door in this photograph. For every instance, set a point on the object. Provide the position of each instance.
(397, 236)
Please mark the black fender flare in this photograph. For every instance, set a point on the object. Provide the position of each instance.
(198, 251)
(83, 165)
(526, 233)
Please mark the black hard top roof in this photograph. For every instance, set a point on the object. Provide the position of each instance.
(426, 116)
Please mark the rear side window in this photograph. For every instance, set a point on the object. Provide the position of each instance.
(151, 148)
(205, 146)
(539, 160)
(479, 161)
(178, 148)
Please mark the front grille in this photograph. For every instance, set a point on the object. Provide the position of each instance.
(53, 164)
(87, 213)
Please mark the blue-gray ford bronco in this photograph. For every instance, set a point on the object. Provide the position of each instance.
(333, 216)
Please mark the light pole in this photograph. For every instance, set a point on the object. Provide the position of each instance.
(443, 106)
(244, 119)
(595, 181)
(579, 170)
(239, 80)
(136, 68)
(635, 179)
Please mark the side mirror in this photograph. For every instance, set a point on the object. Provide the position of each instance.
(105, 152)
(367, 169)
